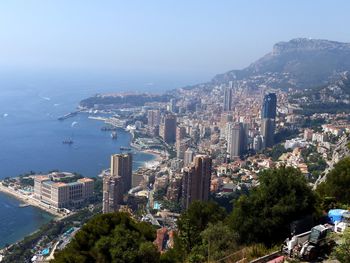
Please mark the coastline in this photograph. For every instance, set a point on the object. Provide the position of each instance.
(30, 201)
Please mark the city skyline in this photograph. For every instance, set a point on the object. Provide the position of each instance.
(174, 131)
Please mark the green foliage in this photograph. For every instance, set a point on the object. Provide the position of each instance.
(227, 200)
(342, 251)
(265, 215)
(218, 241)
(98, 190)
(329, 107)
(258, 250)
(172, 206)
(26, 181)
(285, 134)
(276, 151)
(111, 238)
(71, 179)
(197, 217)
(338, 182)
(315, 162)
(159, 194)
(314, 124)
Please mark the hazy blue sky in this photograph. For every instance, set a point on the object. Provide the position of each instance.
(196, 38)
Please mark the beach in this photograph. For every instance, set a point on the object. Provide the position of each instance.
(28, 199)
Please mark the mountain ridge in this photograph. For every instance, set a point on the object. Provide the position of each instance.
(298, 63)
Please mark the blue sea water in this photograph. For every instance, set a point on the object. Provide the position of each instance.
(31, 137)
(15, 222)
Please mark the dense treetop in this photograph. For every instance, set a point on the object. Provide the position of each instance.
(337, 184)
(264, 216)
(111, 238)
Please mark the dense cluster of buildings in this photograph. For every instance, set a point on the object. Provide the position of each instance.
(214, 142)
(204, 133)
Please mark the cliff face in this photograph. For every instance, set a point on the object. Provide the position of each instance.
(341, 151)
(306, 62)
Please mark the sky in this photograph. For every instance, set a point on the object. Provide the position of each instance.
(189, 39)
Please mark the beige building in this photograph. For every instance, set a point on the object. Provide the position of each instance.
(121, 165)
(112, 193)
(196, 180)
(62, 195)
(117, 183)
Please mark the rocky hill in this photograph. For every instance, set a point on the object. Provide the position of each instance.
(341, 151)
(300, 63)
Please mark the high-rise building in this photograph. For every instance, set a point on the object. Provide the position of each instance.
(268, 115)
(112, 193)
(117, 182)
(308, 134)
(180, 133)
(268, 131)
(227, 99)
(172, 105)
(236, 139)
(181, 147)
(121, 165)
(258, 143)
(169, 128)
(188, 156)
(269, 106)
(153, 118)
(196, 180)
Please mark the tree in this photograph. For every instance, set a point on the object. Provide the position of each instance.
(192, 222)
(111, 238)
(264, 216)
(338, 182)
(342, 251)
(218, 241)
(276, 151)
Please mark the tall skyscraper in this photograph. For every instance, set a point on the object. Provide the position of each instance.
(180, 133)
(236, 139)
(188, 156)
(112, 193)
(169, 128)
(268, 115)
(258, 143)
(172, 105)
(268, 131)
(117, 182)
(121, 165)
(181, 147)
(196, 180)
(269, 106)
(153, 118)
(228, 99)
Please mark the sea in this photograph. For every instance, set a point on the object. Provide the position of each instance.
(31, 136)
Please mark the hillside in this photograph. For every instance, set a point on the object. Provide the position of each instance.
(300, 63)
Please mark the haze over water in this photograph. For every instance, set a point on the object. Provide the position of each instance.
(31, 136)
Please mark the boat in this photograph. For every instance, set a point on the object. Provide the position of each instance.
(67, 141)
(108, 128)
(122, 148)
(68, 115)
(114, 135)
(23, 205)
